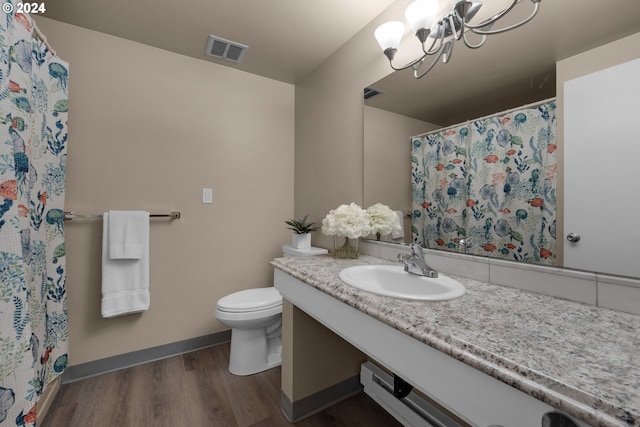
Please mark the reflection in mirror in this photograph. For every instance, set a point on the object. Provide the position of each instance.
(395, 110)
(488, 187)
(386, 155)
(509, 72)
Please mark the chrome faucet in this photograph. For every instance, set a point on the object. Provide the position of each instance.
(415, 263)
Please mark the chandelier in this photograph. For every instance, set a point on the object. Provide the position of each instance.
(438, 30)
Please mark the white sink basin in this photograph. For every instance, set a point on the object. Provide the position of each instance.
(393, 281)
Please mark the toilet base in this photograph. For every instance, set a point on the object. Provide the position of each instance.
(252, 351)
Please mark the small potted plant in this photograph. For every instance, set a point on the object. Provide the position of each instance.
(301, 237)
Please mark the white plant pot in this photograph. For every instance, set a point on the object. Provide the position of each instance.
(301, 241)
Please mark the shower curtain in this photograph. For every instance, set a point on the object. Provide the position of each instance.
(33, 140)
(487, 187)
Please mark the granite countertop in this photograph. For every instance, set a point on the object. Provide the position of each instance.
(583, 360)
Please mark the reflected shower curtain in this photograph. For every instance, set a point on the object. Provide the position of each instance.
(490, 182)
(33, 136)
(440, 188)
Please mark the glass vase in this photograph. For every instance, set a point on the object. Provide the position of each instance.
(343, 247)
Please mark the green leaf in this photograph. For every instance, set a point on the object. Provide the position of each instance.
(300, 226)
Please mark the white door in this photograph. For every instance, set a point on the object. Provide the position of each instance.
(602, 171)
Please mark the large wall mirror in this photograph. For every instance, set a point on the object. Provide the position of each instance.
(511, 70)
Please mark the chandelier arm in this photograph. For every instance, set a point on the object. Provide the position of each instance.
(409, 64)
(478, 29)
(433, 63)
(457, 34)
(447, 52)
(417, 63)
(496, 17)
(431, 50)
(510, 27)
(474, 46)
(441, 36)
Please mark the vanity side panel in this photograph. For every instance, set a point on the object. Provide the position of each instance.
(314, 359)
(322, 359)
(286, 370)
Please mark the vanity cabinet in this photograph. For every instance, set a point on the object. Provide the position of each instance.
(473, 396)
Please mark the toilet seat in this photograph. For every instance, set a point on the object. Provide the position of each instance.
(250, 300)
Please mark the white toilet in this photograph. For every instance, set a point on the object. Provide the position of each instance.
(255, 319)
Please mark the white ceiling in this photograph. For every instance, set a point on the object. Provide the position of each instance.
(287, 39)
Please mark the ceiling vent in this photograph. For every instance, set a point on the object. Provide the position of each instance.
(370, 92)
(225, 49)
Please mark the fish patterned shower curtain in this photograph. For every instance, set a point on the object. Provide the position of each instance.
(33, 142)
(487, 187)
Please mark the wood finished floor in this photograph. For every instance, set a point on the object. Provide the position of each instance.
(194, 390)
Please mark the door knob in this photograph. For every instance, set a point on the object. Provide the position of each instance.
(573, 237)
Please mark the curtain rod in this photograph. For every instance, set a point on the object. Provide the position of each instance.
(42, 37)
(69, 215)
(536, 103)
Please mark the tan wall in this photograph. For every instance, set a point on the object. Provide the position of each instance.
(385, 150)
(329, 125)
(606, 56)
(148, 129)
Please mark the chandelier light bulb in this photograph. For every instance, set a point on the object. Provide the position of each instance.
(421, 14)
(389, 35)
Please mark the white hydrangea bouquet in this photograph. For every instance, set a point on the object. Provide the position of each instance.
(382, 220)
(348, 221)
(351, 222)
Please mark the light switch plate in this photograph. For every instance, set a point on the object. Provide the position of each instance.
(207, 195)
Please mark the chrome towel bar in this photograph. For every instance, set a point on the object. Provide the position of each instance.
(70, 215)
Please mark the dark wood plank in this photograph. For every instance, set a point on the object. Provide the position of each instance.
(136, 411)
(246, 400)
(171, 407)
(210, 402)
(194, 390)
(88, 412)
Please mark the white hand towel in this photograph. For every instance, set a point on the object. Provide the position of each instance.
(125, 282)
(128, 234)
(399, 233)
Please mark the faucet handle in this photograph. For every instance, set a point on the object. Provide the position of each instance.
(416, 250)
(402, 257)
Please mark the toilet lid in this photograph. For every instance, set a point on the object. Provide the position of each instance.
(250, 300)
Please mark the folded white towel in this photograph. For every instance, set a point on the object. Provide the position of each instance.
(125, 281)
(128, 234)
(399, 233)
